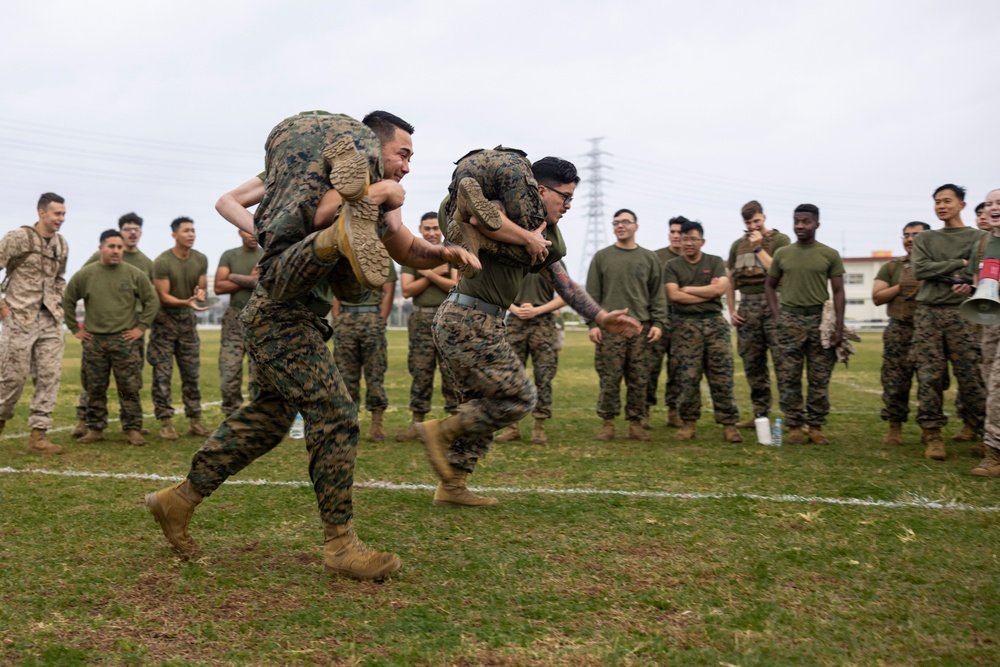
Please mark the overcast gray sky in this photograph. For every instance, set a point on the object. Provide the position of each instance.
(861, 108)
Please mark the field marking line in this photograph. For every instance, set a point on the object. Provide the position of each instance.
(917, 502)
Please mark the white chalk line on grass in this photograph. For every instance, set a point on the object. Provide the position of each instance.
(916, 503)
(110, 421)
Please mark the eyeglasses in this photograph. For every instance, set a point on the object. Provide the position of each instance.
(621, 223)
(566, 197)
(691, 239)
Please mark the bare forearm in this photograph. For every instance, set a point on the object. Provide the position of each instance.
(242, 281)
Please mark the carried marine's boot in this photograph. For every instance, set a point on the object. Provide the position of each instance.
(674, 418)
(353, 236)
(455, 494)
(465, 235)
(437, 436)
(796, 436)
(636, 431)
(92, 435)
(990, 465)
(167, 431)
(377, 433)
(39, 442)
(967, 434)
(686, 431)
(747, 424)
(509, 434)
(349, 174)
(80, 429)
(344, 554)
(894, 435)
(607, 431)
(472, 202)
(135, 438)
(172, 508)
(538, 436)
(731, 433)
(934, 444)
(410, 433)
(195, 427)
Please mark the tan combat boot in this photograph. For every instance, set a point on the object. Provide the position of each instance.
(39, 442)
(195, 427)
(895, 434)
(796, 436)
(686, 431)
(353, 236)
(817, 437)
(455, 494)
(377, 432)
(80, 429)
(167, 431)
(674, 418)
(348, 169)
(92, 435)
(135, 438)
(172, 508)
(472, 202)
(990, 465)
(607, 430)
(437, 436)
(636, 431)
(344, 554)
(747, 424)
(934, 444)
(509, 434)
(966, 435)
(731, 433)
(644, 423)
(410, 432)
(538, 432)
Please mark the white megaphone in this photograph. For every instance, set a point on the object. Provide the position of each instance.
(984, 306)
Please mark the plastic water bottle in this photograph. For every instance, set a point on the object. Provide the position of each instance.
(298, 429)
(776, 433)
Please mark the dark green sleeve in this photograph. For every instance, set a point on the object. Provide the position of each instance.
(70, 296)
(657, 295)
(150, 301)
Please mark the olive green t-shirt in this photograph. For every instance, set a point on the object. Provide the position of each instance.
(136, 259)
(666, 254)
(432, 296)
(683, 273)
(116, 298)
(241, 262)
(375, 295)
(629, 278)
(499, 283)
(537, 289)
(183, 274)
(804, 271)
(939, 253)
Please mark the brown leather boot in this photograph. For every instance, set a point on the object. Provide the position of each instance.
(410, 432)
(455, 493)
(895, 434)
(353, 236)
(607, 430)
(747, 424)
(966, 435)
(934, 444)
(636, 431)
(344, 554)
(40, 443)
(196, 427)
(437, 436)
(167, 431)
(509, 434)
(80, 429)
(349, 174)
(674, 418)
(135, 438)
(172, 508)
(796, 436)
(990, 465)
(538, 432)
(92, 435)
(817, 437)
(377, 432)
(472, 202)
(731, 433)
(686, 431)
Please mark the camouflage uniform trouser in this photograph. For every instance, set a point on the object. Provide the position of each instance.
(617, 357)
(492, 383)
(757, 335)
(231, 353)
(701, 346)
(799, 341)
(359, 344)
(991, 366)
(38, 352)
(291, 370)
(897, 370)
(84, 400)
(539, 339)
(657, 352)
(175, 335)
(940, 335)
(103, 355)
(421, 360)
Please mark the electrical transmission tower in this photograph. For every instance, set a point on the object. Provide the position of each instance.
(596, 236)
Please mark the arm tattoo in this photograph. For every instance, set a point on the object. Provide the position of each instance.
(573, 294)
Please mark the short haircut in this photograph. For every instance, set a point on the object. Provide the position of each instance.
(384, 125)
(176, 224)
(428, 215)
(626, 210)
(678, 220)
(808, 208)
(129, 219)
(750, 209)
(551, 171)
(916, 223)
(109, 233)
(47, 198)
(957, 189)
(693, 225)
(979, 209)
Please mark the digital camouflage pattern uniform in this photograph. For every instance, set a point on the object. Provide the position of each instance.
(804, 272)
(174, 334)
(231, 348)
(422, 355)
(898, 367)
(284, 326)
(31, 342)
(940, 333)
(117, 298)
(660, 350)
(629, 278)
(759, 331)
(700, 343)
(537, 338)
(359, 345)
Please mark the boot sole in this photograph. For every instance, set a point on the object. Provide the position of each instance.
(455, 234)
(153, 503)
(438, 459)
(390, 567)
(360, 245)
(485, 212)
(446, 503)
(348, 169)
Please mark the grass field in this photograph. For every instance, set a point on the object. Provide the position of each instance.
(619, 553)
